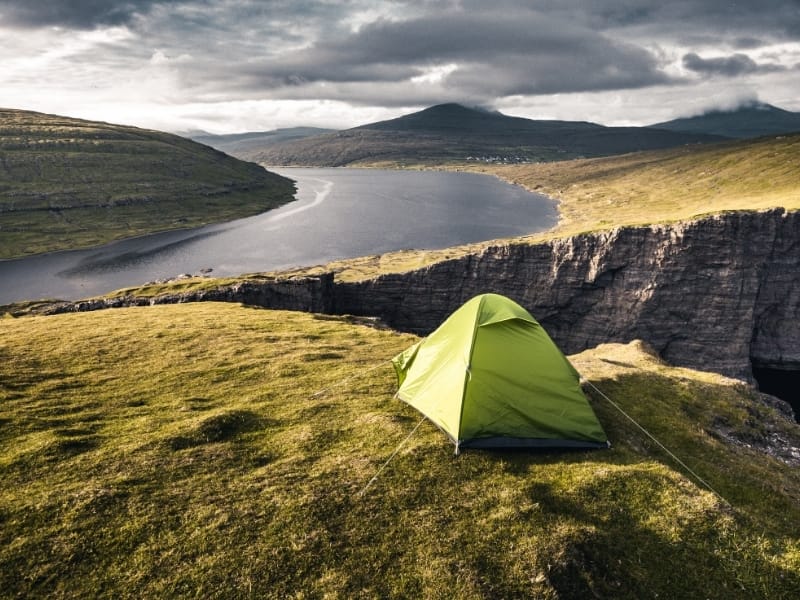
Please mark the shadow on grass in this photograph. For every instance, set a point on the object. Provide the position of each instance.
(218, 428)
(71, 446)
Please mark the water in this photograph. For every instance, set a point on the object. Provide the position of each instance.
(339, 213)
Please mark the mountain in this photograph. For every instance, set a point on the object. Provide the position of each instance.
(242, 145)
(748, 121)
(68, 183)
(457, 118)
(456, 133)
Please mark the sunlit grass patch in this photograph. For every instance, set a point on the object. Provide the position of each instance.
(666, 185)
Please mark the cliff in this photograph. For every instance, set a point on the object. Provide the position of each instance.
(720, 293)
(715, 293)
(307, 294)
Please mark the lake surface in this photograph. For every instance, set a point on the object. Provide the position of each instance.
(339, 213)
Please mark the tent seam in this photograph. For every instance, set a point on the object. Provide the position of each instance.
(468, 371)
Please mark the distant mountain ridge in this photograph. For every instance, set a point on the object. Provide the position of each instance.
(456, 133)
(460, 118)
(239, 144)
(750, 120)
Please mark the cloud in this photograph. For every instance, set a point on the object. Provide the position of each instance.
(393, 54)
(728, 66)
(486, 56)
(74, 14)
(676, 18)
(748, 43)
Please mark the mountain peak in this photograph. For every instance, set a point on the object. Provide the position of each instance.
(455, 107)
(750, 119)
(744, 107)
(448, 116)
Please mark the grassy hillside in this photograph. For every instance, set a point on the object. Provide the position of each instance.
(453, 133)
(667, 185)
(68, 183)
(218, 451)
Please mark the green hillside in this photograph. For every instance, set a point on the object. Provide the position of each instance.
(450, 133)
(218, 451)
(667, 185)
(68, 183)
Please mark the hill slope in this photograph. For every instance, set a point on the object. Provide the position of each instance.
(67, 183)
(666, 185)
(451, 132)
(752, 120)
(242, 145)
(219, 451)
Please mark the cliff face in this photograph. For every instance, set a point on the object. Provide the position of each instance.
(308, 294)
(713, 294)
(720, 293)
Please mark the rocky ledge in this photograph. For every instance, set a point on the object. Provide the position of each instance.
(309, 294)
(770, 428)
(719, 293)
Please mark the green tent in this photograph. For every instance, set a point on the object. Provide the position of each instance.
(490, 376)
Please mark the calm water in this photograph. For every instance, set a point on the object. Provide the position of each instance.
(339, 213)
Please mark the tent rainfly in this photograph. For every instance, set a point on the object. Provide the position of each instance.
(491, 377)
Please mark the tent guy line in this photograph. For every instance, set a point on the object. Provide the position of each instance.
(659, 444)
(605, 397)
(391, 456)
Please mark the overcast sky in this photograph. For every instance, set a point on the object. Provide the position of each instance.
(237, 65)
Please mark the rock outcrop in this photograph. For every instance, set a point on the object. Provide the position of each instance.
(716, 293)
(309, 294)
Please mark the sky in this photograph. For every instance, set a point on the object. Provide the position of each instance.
(226, 66)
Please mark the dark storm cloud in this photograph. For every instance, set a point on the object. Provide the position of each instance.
(747, 43)
(74, 14)
(492, 55)
(780, 18)
(729, 66)
(460, 36)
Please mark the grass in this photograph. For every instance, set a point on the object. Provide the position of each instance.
(218, 451)
(667, 185)
(68, 183)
